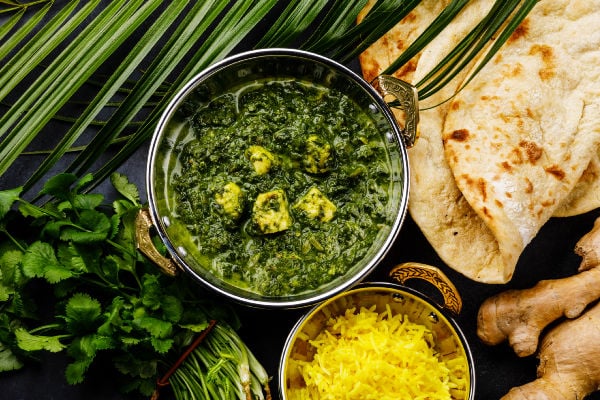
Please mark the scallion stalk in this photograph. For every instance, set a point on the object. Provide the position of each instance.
(222, 367)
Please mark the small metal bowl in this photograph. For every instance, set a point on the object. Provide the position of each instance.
(268, 64)
(450, 343)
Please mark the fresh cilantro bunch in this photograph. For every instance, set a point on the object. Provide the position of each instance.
(106, 297)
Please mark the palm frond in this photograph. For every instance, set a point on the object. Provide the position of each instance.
(112, 85)
(194, 25)
(69, 71)
(23, 31)
(53, 33)
(8, 25)
(46, 61)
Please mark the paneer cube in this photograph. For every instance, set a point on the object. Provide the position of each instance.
(316, 205)
(270, 212)
(318, 155)
(261, 159)
(230, 199)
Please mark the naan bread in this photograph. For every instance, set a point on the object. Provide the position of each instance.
(492, 166)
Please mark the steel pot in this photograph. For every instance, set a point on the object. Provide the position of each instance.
(258, 65)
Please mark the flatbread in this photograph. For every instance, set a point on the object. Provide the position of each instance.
(462, 164)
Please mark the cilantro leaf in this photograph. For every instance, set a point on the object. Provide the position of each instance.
(161, 345)
(172, 308)
(55, 273)
(38, 257)
(112, 317)
(151, 291)
(84, 180)
(88, 201)
(96, 227)
(156, 327)
(126, 189)
(28, 342)
(31, 210)
(8, 360)
(59, 186)
(11, 277)
(82, 313)
(75, 372)
(7, 199)
(40, 261)
(68, 255)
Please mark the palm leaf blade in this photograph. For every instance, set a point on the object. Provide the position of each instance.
(7, 26)
(23, 31)
(45, 41)
(194, 25)
(113, 84)
(76, 68)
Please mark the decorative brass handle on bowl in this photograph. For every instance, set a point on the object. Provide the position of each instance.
(408, 97)
(143, 224)
(452, 300)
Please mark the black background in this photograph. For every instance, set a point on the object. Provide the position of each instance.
(550, 255)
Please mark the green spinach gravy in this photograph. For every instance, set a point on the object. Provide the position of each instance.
(282, 186)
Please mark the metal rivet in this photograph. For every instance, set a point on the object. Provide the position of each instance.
(434, 317)
(398, 298)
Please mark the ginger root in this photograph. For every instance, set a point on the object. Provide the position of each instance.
(588, 247)
(520, 316)
(568, 368)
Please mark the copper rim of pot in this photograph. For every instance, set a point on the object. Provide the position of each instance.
(318, 69)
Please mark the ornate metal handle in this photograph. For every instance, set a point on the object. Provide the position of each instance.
(143, 224)
(433, 275)
(408, 97)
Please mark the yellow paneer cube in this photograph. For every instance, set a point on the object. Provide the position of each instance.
(316, 205)
(261, 159)
(270, 212)
(318, 154)
(230, 199)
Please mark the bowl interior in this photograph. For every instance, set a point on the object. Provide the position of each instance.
(449, 341)
(175, 130)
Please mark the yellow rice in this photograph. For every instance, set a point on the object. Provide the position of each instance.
(367, 355)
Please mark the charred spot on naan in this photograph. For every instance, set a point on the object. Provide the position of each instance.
(532, 150)
(460, 135)
(556, 171)
(520, 32)
(549, 70)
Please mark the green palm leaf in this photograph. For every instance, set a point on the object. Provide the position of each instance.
(45, 62)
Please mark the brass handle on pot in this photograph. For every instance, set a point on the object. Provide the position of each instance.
(408, 97)
(433, 275)
(143, 224)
